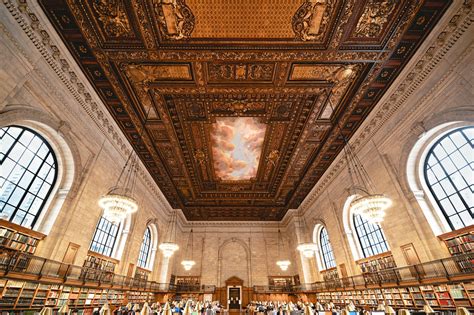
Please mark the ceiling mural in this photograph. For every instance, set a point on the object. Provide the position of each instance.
(245, 103)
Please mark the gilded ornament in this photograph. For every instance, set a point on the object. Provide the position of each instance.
(375, 16)
(311, 19)
(175, 18)
(113, 17)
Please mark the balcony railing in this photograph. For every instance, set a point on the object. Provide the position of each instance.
(29, 267)
(456, 268)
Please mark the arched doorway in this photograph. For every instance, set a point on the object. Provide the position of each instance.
(234, 287)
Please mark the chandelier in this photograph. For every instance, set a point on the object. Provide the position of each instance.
(306, 248)
(189, 263)
(118, 202)
(370, 205)
(169, 247)
(282, 263)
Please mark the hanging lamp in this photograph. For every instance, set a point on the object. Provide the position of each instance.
(169, 247)
(368, 204)
(282, 263)
(189, 263)
(119, 202)
(306, 248)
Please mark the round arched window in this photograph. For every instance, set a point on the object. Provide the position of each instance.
(28, 174)
(449, 174)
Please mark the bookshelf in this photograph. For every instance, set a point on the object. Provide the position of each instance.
(188, 280)
(105, 266)
(371, 267)
(18, 238)
(280, 281)
(141, 274)
(439, 297)
(330, 274)
(25, 295)
(460, 241)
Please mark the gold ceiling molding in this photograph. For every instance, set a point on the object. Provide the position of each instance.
(113, 17)
(311, 19)
(291, 95)
(30, 21)
(175, 18)
(441, 44)
(374, 18)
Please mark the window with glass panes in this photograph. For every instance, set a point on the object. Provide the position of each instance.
(28, 174)
(449, 173)
(145, 249)
(371, 237)
(105, 237)
(326, 249)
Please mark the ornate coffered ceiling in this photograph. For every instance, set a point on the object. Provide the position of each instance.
(243, 97)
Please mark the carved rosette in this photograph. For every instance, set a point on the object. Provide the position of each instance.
(175, 18)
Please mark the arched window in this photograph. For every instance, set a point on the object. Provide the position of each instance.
(371, 238)
(29, 172)
(449, 174)
(145, 249)
(105, 237)
(326, 250)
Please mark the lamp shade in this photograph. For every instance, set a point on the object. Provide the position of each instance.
(117, 206)
(188, 264)
(168, 248)
(283, 264)
(307, 249)
(371, 207)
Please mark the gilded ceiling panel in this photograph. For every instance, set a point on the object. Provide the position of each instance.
(245, 103)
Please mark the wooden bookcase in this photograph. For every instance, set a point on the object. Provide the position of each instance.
(440, 297)
(24, 295)
(105, 266)
(280, 281)
(16, 237)
(372, 266)
(460, 241)
(188, 280)
(330, 274)
(142, 274)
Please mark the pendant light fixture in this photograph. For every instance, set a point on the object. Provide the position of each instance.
(306, 248)
(119, 202)
(169, 246)
(189, 263)
(282, 263)
(368, 204)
